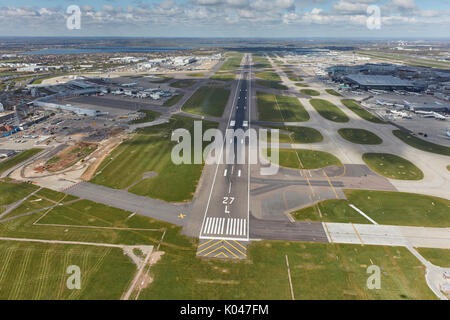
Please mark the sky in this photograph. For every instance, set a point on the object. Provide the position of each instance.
(419, 19)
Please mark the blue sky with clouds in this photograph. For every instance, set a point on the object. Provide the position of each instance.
(227, 18)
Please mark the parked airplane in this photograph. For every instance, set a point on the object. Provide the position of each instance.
(404, 115)
(129, 84)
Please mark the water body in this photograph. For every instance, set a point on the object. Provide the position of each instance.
(104, 50)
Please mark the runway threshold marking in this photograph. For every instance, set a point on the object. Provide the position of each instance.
(235, 248)
(222, 248)
(203, 244)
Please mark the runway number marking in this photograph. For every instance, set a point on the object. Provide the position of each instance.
(228, 200)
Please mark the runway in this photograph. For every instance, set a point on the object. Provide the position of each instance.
(227, 208)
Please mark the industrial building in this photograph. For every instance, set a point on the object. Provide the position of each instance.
(68, 107)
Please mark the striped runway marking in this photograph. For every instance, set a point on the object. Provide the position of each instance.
(225, 226)
(222, 249)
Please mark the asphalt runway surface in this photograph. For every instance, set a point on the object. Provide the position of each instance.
(226, 213)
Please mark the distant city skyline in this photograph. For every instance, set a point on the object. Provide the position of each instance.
(230, 18)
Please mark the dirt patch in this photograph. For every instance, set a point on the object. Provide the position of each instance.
(69, 156)
(100, 155)
(146, 280)
(156, 256)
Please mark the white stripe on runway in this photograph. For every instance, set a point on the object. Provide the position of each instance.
(217, 225)
(225, 173)
(206, 225)
(210, 225)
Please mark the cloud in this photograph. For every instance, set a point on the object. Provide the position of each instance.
(257, 16)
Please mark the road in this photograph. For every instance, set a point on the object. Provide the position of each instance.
(131, 202)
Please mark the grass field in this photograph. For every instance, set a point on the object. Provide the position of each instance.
(149, 116)
(341, 268)
(292, 76)
(360, 111)
(392, 166)
(360, 136)
(31, 204)
(12, 191)
(150, 151)
(44, 198)
(182, 84)
(271, 84)
(233, 62)
(260, 62)
(209, 101)
(330, 211)
(333, 92)
(420, 144)
(38, 271)
(309, 159)
(438, 257)
(76, 221)
(310, 92)
(221, 76)
(196, 75)
(280, 108)
(290, 134)
(173, 100)
(19, 158)
(268, 75)
(302, 85)
(386, 208)
(328, 110)
(55, 196)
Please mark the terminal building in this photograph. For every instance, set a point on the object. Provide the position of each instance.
(379, 82)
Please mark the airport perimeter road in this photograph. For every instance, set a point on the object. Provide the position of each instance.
(227, 209)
